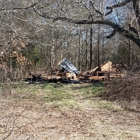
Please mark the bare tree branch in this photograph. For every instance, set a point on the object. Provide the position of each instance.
(98, 11)
(119, 4)
(133, 29)
(88, 9)
(112, 34)
(111, 10)
(136, 7)
(115, 26)
(20, 8)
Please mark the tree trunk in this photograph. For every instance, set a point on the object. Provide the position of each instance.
(91, 34)
(86, 51)
(98, 46)
(130, 54)
(79, 50)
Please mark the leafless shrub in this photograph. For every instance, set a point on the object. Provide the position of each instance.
(125, 90)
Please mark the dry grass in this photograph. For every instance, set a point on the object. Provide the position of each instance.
(126, 91)
(64, 112)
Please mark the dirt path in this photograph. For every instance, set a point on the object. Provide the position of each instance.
(24, 120)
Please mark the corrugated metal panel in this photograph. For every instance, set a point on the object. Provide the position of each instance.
(67, 65)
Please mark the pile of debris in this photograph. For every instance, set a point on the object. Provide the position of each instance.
(69, 73)
(108, 70)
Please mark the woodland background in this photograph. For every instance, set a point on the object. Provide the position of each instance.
(36, 34)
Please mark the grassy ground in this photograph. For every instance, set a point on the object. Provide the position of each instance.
(57, 111)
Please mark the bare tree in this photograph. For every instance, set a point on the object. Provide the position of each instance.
(47, 31)
(95, 15)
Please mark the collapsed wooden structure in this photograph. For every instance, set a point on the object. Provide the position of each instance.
(69, 73)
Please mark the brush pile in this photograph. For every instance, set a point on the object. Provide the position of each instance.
(125, 89)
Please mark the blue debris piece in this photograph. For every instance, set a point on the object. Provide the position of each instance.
(67, 65)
